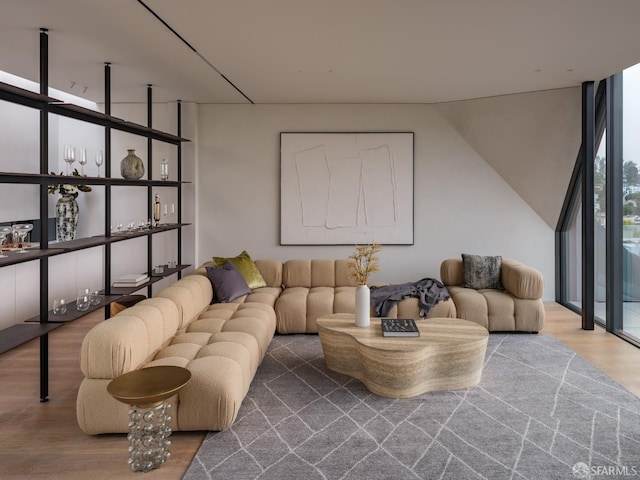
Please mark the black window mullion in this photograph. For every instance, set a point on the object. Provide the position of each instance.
(44, 215)
(588, 250)
(614, 203)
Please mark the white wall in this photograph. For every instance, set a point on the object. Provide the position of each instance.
(461, 203)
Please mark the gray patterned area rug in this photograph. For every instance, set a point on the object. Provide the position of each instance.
(540, 412)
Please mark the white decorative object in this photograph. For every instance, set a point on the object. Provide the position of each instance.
(362, 264)
(164, 169)
(345, 188)
(363, 312)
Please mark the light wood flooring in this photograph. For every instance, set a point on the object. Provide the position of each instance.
(43, 441)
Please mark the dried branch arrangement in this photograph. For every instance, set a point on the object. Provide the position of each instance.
(364, 262)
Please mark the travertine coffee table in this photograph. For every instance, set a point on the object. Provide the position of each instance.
(448, 354)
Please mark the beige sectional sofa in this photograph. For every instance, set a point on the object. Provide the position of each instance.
(516, 308)
(223, 344)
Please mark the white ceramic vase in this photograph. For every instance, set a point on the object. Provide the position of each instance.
(363, 318)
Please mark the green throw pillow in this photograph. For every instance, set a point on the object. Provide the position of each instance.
(246, 267)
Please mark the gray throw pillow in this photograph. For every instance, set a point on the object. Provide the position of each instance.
(227, 282)
(481, 271)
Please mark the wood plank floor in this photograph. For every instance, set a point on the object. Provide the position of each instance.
(43, 441)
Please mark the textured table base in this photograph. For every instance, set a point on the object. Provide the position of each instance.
(149, 437)
(448, 355)
(147, 390)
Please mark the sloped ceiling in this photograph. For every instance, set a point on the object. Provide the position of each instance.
(531, 140)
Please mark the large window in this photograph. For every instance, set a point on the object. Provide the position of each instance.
(631, 201)
(606, 255)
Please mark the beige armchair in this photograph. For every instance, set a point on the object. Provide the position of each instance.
(518, 307)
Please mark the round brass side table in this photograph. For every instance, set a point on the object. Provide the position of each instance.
(147, 391)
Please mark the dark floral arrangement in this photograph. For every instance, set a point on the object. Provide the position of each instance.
(67, 189)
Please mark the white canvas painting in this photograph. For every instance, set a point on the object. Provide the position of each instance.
(346, 188)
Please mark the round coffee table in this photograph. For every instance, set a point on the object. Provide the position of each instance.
(448, 354)
(147, 390)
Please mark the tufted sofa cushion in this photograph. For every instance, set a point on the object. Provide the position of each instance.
(317, 273)
(129, 339)
(223, 348)
(313, 288)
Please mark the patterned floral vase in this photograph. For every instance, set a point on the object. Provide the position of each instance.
(67, 213)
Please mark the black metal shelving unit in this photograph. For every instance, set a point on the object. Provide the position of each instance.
(40, 325)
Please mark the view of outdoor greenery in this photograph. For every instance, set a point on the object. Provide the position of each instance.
(630, 185)
(630, 199)
(631, 202)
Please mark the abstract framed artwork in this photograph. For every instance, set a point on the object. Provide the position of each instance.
(346, 188)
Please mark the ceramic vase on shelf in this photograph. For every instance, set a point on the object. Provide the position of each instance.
(67, 213)
(131, 166)
(363, 318)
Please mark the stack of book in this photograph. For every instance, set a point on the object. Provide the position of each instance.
(131, 280)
